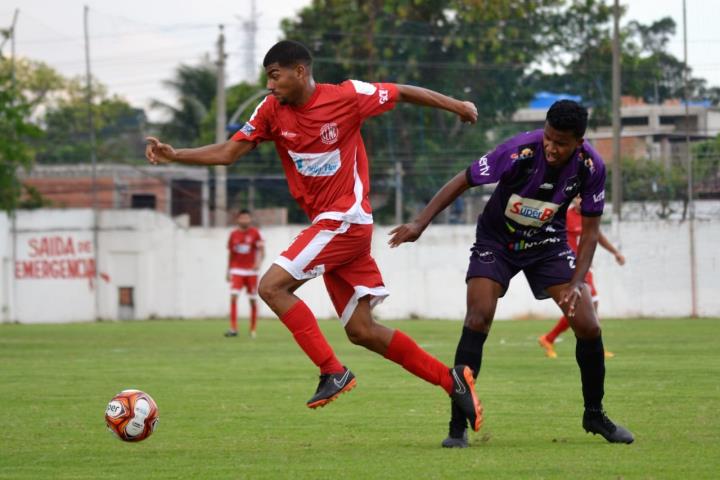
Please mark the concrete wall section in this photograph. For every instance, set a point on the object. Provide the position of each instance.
(179, 272)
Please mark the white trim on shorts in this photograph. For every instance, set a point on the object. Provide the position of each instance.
(237, 292)
(243, 272)
(296, 267)
(379, 294)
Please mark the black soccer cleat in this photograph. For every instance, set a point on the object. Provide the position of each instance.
(597, 422)
(456, 442)
(231, 333)
(331, 386)
(463, 394)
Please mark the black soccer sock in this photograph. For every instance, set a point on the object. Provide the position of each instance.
(590, 356)
(469, 352)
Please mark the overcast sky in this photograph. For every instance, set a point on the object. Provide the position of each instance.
(136, 44)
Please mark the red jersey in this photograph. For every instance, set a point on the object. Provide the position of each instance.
(573, 225)
(243, 246)
(320, 146)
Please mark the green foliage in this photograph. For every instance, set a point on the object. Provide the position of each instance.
(582, 36)
(195, 87)
(118, 127)
(235, 408)
(475, 51)
(15, 132)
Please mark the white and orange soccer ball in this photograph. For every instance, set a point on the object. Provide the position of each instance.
(131, 415)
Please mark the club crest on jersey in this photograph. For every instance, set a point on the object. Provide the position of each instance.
(572, 185)
(588, 161)
(329, 133)
(530, 212)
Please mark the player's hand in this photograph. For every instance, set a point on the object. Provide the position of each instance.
(468, 112)
(227, 276)
(570, 297)
(408, 232)
(620, 259)
(157, 152)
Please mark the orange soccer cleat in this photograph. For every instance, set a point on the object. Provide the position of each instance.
(548, 346)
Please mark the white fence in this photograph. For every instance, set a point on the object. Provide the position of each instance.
(179, 272)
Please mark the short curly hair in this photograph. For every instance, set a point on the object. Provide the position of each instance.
(568, 115)
(288, 53)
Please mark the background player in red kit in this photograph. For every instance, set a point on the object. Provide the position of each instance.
(246, 252)
(573, 224)
(316, 131)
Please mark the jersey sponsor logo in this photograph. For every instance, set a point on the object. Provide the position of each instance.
(599, 197)
(247, 129)
(329, 133)
(242, 248)
(530, 212)
(524, 245)
(572, 185)
(547, 186)
(483, 167)
(288, 134)
(323, 164)
(383, 96)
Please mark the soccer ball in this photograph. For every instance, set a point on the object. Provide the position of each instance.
(131, 415)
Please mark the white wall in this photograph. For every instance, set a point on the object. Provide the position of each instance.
(179, 272)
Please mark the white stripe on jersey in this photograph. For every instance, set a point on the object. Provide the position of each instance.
(252, 117)
(363, 88)
(355, 214)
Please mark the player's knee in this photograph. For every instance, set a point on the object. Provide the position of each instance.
(478, 320)
(589, 331)
(269, 292)
(359, 334)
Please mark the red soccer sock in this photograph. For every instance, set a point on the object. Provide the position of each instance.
(253, 316)
(559, 328)
(405, 352)
(304, 327)
(233, 315)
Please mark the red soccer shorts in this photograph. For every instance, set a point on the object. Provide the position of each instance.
(591, 283)
(240, 282)
(340, 252)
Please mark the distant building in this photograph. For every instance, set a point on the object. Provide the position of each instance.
(655, 132)
(173, 190)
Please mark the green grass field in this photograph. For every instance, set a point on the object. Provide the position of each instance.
(235, 408)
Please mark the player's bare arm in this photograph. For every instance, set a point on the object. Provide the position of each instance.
(260, 256)
(216, 154)
(429, 98)
(410, 232)
(586, 250)
(607, 245)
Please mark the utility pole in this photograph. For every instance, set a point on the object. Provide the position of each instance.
(616, 122)
(398, 192)
(221, 135)
(93, 160)
(690, 199)
(12, 310)
(250, 28)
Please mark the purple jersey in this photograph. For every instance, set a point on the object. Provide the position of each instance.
(527, 208)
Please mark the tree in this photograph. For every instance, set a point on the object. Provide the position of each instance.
(118, 127)
(195, 88)
(583, 52)
(15, 130)
(478, 51)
